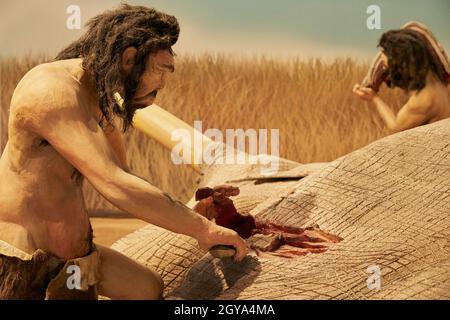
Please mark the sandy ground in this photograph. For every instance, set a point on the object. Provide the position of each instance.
(109, 230)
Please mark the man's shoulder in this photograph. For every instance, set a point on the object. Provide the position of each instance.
(45, 81)
(43, 89)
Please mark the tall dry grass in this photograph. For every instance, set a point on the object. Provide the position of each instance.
(309, 101)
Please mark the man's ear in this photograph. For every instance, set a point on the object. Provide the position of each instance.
(128, 56)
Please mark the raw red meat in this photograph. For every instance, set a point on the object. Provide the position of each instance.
(284, 241)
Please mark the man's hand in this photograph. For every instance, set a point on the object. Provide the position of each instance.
(364, 93)
(217, 235)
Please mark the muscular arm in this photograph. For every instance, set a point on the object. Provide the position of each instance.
(385, 112)
(414, 113)
(417, 111)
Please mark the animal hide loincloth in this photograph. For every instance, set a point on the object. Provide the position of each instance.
(45, 276)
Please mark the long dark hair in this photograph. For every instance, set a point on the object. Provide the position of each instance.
(102, 45)
(410, 57)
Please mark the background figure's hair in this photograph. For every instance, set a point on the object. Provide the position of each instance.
(410, 58)
(101, 48)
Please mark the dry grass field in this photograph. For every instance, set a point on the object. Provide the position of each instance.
(310, 101)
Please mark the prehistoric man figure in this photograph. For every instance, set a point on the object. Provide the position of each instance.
(63, 127)
(412, 60)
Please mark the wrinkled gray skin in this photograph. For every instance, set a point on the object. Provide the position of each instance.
(389, 201)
